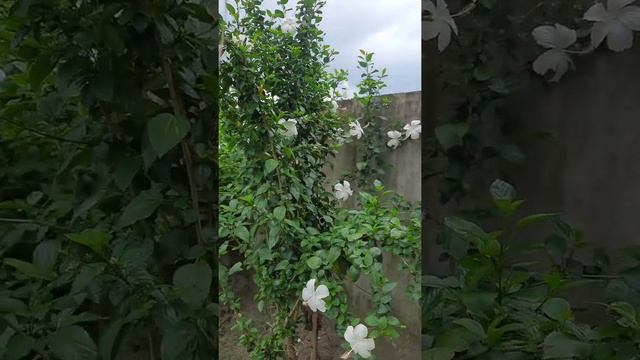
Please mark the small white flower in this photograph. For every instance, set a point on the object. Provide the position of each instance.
(290, 127)
(342, 190)
(334, 104)
(289, 25)
(557, 39)
(394, 136)
(413, 130)
(355, 129)
(244, 40)
(616, 23)
(312, 297)
(357, 338)
(344, 90)
(441, 25)
(272, 97)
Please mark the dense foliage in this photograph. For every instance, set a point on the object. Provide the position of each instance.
(107, 173)
(278, 128)
(496, 304)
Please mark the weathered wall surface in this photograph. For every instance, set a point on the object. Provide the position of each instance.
(403, 174)
(591, 171)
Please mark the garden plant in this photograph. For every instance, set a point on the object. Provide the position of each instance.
(512, 293)
(281, 222)
(108, 179)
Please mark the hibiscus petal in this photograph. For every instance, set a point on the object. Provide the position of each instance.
(553, 59)
(307, 293)
(347, 184)
(599, 32)
(313, 304)
(445, 36)
(630, 16)
(615, 5)
(321, 305)
(348, 334)
(360, 331)
(429, 6)
(361, 348)
(597, 13)
(620, 37)
(544, 35)
(322, 292)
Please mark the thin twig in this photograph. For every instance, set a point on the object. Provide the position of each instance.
(150, 340)
(466, 10)
(47, 135)
(178, 109)
(34, 222)
(314, 336)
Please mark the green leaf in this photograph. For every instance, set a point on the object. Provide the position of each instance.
(193, 282)
(19, 346)
(270, 165)
(125, 171)
(280, 212)
(475, 327)
(438, 354)
(46, 254)
(14, 306)
(29, 269)
(560, 346)
(534, 219)
(166, 131)
(235, 268)
(450, 135)
(314, 262)
(242, 233)
(40, 69)
(85, 277)
(557, 309)
(72, 343)
(141, 207)
(468, 231)
(96, 240)
(108, 339)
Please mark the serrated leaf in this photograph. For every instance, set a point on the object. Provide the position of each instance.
(279, 213)
(125, 171)
(270, 165)
(314, 262)
(141, 207)
(192, 282)
(72, 343)
(29, 269)
(165, 131)
(95, 239)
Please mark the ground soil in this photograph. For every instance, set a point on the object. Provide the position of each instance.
(328, 340)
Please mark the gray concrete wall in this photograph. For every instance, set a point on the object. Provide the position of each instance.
(403, 174)
(590, 171)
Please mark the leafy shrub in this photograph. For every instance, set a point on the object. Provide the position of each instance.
(108, 185)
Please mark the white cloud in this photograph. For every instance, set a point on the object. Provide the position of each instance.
(389, 28)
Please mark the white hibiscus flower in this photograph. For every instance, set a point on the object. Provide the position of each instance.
(355, 129)
(242, 39)
(357, 339)
(616, 22)
(312, 297)
(413, 130)
(555, 38)
(394, 137)
(342, 190)
(441, 23)
(290, 127)
(289, 25)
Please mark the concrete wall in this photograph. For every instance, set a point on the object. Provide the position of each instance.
(590, 171)
(403, 174)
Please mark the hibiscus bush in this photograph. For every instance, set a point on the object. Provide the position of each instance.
(279, 222)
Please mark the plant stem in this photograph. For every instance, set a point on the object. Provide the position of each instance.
(314, 337)
(178, 109)
(34, 222)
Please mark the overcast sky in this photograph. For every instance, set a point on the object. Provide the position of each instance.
(388, 28)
